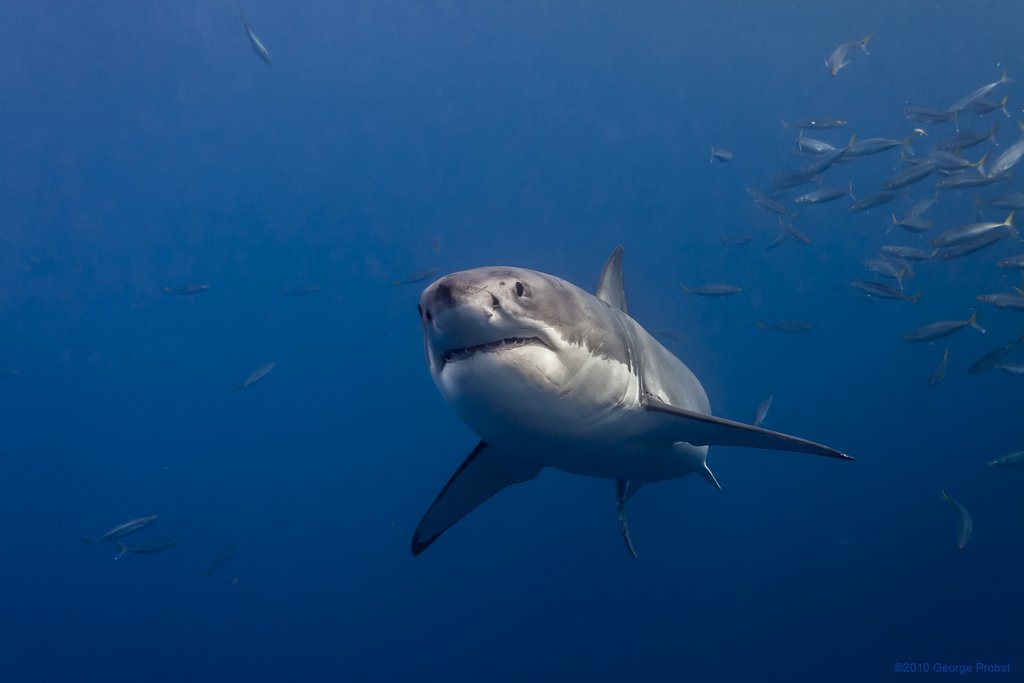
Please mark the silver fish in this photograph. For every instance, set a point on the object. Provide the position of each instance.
(418, 276)
(950, 161)
(793, 232)
(877, 145)
(885, 269)
(1007, 200)
(913, 222)
(713, 290)
(224, 557)
(777, 240)
(977, 244)
(994, 357)
(1012, 301)
(122, 530)
(256, 375)
(883, 290)
(964, 526)
(806, 145)
(762, 410)
(965, 139)
(909, 253)
(915, 173)
(874, 200)
(943, 328)
(148, 547)
(983, 105)
(939, 373)
(965, 179)
(824, 194)
(720, 154)
(1012, 262)
(1015, 459)
(257, 46)
(972, 97)
(835, 62)
(971, 231)
(767, 203)
(1008, 159)
(1015, 369)
(929, 114)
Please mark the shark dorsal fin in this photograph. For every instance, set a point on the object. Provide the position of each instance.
(610, 288)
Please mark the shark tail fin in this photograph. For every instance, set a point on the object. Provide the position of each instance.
(482, 474)
(121, 550)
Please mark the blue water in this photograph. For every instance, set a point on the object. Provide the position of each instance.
(145, 145)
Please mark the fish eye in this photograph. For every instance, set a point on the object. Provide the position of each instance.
(520, 290)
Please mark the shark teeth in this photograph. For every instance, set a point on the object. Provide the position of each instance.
(453, 355)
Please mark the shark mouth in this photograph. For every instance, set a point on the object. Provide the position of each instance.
(453, 355)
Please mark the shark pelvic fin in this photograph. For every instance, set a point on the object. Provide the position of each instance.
(624, 490)
(708, 430)
(611, 288)
(480, 476)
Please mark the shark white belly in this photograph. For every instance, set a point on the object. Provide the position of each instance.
(549, 375)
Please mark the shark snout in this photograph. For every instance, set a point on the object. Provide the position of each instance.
(451, 293)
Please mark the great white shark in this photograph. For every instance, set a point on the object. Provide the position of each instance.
(549, 375)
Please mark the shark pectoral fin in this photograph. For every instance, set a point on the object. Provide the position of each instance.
(611, 288)
(480, 476)
(624, 490)
(707, 430)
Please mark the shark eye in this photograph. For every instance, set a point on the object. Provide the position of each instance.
(520, 290)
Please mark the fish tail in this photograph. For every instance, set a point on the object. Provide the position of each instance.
(1005, 78)
(863, 43)
(1002, 105)
(167, 290)
(914, 299)
(973, 322)
(786, 124)
(88, 541)
(238, 386)
(685, 289)
(980, 163)
(121, 550)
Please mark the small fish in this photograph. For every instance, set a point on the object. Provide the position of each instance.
(883, 290)
(885, 269)
(922, 205)
(786, 181)
(817, 123)
(1011, 301)
(1015, 459)
(1007, 160)
(966, 139)
(713, 290)
(777, 240)
(874, 200)
(839, 57)
(792, 326)
(983, 105)
(994, 357)
(122, 530)
(418, 276)
(913, 222)
(824, 194)
(977, 244)
(976, 95)
(304, 290)
(148, 547)
(964, 526)
(806, 145)
(915, 173)
(971, 231)
(767, 203)
(187, 290)
(909, 253)
(877, 145)
(257, 46)
(1014, 369)
(720, 154)
(950, 161)
(793, 232)
(224, 557)
(8, 374)
(943, 328)
(1007, 200)
(928, 114)
(762, 410)
(736, 240)
(256, 375)
(1012, 262)
(965, 179)
(939, 373)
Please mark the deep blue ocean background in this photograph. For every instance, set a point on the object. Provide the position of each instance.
(145, 145)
